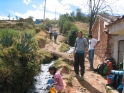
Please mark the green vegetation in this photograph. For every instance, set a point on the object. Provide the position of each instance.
(20, 60)
(108, 90)
(71, 38)
(64, 47)
(67, 25)
(70, 78)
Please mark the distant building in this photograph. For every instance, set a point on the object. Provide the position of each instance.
(38, 21)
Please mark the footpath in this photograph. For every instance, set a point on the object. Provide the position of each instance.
(92, 83)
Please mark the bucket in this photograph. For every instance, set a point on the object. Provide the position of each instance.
(110, 79)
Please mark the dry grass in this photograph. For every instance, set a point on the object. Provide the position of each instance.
(82, 26)
(41, 38)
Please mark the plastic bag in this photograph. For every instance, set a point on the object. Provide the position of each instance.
(53, 90)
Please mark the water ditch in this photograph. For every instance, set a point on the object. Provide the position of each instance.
(40, 81)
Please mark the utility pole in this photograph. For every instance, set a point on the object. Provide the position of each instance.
(55, 15)
(90, 12)
(44, 13)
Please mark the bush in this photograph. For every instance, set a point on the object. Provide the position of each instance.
(64, 47)
(19, 63)
(66, 27)
(71, 38)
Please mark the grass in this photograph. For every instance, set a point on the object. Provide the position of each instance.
(70, 78)
(64, 47)
(45, 56)
(108, 90)
(60, 63)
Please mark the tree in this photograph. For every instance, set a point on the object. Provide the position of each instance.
(9, 16)
(30, 20)
(78, 14)
(96, 6)
(62, 19)
(71, 38)
(72, 14)
(16, 17)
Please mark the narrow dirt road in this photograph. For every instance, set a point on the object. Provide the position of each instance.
(92, 83)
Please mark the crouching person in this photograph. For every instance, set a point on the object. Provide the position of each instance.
(58, 81)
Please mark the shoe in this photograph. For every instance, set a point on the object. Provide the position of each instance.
(82, 78)
(90, 69)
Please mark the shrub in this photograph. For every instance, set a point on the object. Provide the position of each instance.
(19, 63)
(64, 47)
(71, 38)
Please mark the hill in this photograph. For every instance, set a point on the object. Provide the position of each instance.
(82, 26)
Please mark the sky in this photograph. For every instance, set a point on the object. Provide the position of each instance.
(35, 8)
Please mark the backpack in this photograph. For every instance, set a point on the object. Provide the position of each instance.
(113, 62)
(102, 69)
(109, 64)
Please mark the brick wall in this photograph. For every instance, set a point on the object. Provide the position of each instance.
(102, 50)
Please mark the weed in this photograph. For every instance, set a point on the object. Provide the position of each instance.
(64, 47)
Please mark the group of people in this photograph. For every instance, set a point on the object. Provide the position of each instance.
(82, 48)
(53, 33)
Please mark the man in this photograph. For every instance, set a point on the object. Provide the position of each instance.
(55, 34)
(81, 47)
(50, 33)
(92, 44)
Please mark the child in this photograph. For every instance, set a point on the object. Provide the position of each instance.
(58, 82)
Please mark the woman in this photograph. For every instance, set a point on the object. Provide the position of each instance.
(58, 82)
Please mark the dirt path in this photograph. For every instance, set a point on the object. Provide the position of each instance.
(92, 83)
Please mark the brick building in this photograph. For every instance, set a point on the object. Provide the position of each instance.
(100, 32)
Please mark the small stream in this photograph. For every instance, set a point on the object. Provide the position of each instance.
(40, 81)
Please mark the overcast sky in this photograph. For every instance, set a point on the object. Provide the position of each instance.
(35, 8)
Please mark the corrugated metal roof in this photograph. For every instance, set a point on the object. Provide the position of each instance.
(108, 18)
(118, 19)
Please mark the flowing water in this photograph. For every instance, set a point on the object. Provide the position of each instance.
(40, 81)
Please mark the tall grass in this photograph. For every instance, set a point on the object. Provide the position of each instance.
(6, 32)
(19, 62)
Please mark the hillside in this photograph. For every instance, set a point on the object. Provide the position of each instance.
(82, 26)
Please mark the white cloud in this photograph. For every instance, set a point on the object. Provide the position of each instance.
(4, 18)
(26, 1)
(52, 5)
(117, 6)
(37, 14)
(63, 7)
(34, 6)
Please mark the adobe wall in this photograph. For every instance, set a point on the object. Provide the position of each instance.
(101, 51)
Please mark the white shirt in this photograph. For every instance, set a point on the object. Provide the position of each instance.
(92, 43)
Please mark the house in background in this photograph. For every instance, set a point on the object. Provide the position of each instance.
(38, 21)
(116, 30)
(108, 29)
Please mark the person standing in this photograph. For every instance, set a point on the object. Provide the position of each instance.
(55, 34)
(92, 44)
(50, 33)
(80, 51)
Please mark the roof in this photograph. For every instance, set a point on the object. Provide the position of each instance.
(108, 18)
(118, 19)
